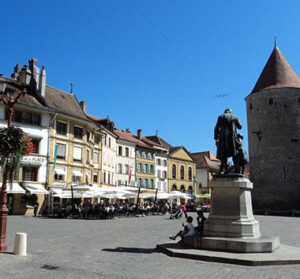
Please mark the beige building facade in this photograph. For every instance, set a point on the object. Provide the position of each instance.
(75, 153)
(182, 170)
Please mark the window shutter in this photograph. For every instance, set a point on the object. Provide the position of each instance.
(96, 157)
(77, 153)
(61, 150)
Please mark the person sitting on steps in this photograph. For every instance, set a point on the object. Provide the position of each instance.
(187, 231)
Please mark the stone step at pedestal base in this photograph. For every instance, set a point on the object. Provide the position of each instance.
(238, 245)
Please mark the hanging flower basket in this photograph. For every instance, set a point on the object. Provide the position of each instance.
(14, 144)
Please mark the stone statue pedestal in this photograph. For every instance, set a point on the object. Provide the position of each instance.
(231, 212)
(231, 225)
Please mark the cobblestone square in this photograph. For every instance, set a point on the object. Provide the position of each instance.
(125, 248)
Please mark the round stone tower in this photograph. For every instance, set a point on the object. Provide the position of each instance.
(273, 115)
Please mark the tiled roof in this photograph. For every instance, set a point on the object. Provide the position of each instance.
(160, 141)
(29, 99)
(150, 142)
(55, 99)
(64, 102)
(208, 154)
(95, 118)
(144, 142)
(277, 73)
(205, 160)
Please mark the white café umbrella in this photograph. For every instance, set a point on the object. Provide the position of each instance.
(177, 194)
(134, 189)
(68, 195)
(94, 192)
(118, 195)
(163, 196)
(146, 196)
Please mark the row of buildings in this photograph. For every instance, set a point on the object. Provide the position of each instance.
(72, 147)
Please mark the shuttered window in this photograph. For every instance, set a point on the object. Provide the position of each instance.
(77, 154)
(87, 156)
(96, 157)
(119, 168)
(61, 151)
(126, 169)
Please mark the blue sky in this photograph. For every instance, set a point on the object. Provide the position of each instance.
(168, 65)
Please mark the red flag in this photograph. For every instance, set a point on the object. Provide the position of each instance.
(130, 173)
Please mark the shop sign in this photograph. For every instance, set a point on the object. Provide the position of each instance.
(33, 160)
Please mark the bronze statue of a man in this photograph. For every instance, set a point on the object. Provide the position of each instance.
(226, 138)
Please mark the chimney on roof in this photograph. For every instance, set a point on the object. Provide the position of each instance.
(35, 71)
(83, 106)
(127, 130)
(139, 133)
(17, 70)
(42, 85)
(39, 78)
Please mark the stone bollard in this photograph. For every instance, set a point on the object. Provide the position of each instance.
(20, 245)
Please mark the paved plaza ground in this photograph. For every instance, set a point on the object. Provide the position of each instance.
(125, 248)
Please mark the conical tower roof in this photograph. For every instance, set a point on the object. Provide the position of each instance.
(277, 73)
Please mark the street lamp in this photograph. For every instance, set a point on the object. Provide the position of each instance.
(9, 101)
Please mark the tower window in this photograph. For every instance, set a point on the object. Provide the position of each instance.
(250, 106)
(270, 101)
